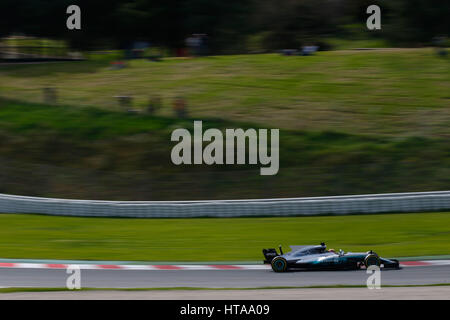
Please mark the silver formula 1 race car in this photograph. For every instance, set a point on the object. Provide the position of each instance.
(319, 258)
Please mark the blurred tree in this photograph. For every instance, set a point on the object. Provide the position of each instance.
(418, 21)
(275, 23)
(289, 23)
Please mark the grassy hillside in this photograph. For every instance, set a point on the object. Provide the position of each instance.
(89, 153)
(401, 92)
(350, 122)
(239, 239)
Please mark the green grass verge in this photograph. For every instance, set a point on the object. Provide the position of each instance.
(226, 239)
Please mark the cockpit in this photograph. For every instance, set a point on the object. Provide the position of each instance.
(308, 250)
(340, 252)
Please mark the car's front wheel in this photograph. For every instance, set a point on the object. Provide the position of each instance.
(279, 264)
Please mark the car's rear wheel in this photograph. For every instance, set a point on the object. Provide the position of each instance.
(279, 264)
(372, 259)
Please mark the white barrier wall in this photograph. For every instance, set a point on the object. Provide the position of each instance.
(338, 205)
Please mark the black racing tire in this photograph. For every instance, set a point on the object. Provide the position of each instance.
(372, 259)
(279, 264)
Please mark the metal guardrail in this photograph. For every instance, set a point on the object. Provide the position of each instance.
(337, 205)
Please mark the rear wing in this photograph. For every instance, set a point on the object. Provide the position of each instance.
(269, 254)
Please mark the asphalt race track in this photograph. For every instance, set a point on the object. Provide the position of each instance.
(12, 277)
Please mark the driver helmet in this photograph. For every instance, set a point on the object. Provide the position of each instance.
(332, 250)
